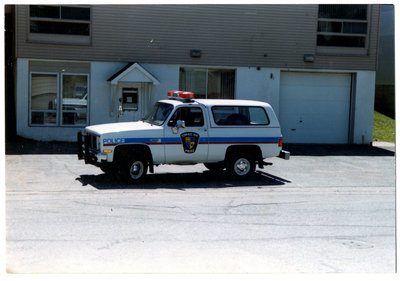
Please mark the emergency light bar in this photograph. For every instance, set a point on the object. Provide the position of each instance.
(181, 95)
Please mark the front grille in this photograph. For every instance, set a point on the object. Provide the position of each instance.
(92, 141)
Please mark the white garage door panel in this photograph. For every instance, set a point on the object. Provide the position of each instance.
(314, 107)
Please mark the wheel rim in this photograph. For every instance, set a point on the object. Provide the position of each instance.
(136, 170)
(242, 166)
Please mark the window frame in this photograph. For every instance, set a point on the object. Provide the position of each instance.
(345, 50)
(59, 97)
(73, 39)
(238, 125)
(30, 100)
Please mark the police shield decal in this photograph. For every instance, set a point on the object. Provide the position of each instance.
(190, 141)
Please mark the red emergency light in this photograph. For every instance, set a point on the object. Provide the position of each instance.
(181, 95)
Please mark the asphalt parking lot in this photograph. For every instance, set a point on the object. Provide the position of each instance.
(327, 209)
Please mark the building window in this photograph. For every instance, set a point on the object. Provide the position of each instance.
(51, 105)
(74, 99)
(130, 99)
(44, 99)
(63, 20)
(208, 83)
(342, 26)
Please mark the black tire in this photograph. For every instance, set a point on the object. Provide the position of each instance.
(107, 169)
(133, 167)
(215, 167)
(240, 165)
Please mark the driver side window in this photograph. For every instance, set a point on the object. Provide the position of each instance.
(193, 117)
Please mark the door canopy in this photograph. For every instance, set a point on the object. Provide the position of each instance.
(133, 72)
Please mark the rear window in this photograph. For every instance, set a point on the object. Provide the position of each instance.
(239, 115)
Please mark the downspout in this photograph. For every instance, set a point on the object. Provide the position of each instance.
(112, 100)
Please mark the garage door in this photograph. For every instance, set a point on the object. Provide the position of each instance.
(314, 107)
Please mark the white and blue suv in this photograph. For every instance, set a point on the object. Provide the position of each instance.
(235, 135)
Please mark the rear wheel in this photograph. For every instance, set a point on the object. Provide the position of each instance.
(240, 165)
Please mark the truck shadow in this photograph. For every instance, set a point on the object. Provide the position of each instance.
(182, 181)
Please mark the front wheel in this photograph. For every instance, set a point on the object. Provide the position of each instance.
(240, 166)
(107, 169)
(133, 168)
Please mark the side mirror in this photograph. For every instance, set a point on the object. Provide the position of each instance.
(179, 124)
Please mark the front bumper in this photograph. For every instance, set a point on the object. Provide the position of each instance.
(88, 153)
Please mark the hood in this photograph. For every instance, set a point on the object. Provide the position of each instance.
(121, 127)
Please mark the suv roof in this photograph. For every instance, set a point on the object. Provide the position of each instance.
(220, 102)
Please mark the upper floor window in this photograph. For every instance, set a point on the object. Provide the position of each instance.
(59, 20)
(59, 24)
(342, 26)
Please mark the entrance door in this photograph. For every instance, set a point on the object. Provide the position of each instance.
(129, 102)
(188, 144)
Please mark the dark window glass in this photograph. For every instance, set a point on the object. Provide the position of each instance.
(41, 118)
(343, 20)
(239, 115)
(59, 20)
(324, 26)
(44, 11)
(221, 84)
(340, 41)
(194, 80)
(66, 28)
(193, 117)
(75, 13)
(355, 27)
(358, 12)
(345, 27)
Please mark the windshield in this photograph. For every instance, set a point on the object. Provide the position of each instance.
(159, 113)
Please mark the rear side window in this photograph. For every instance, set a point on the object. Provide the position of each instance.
(239, 115)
